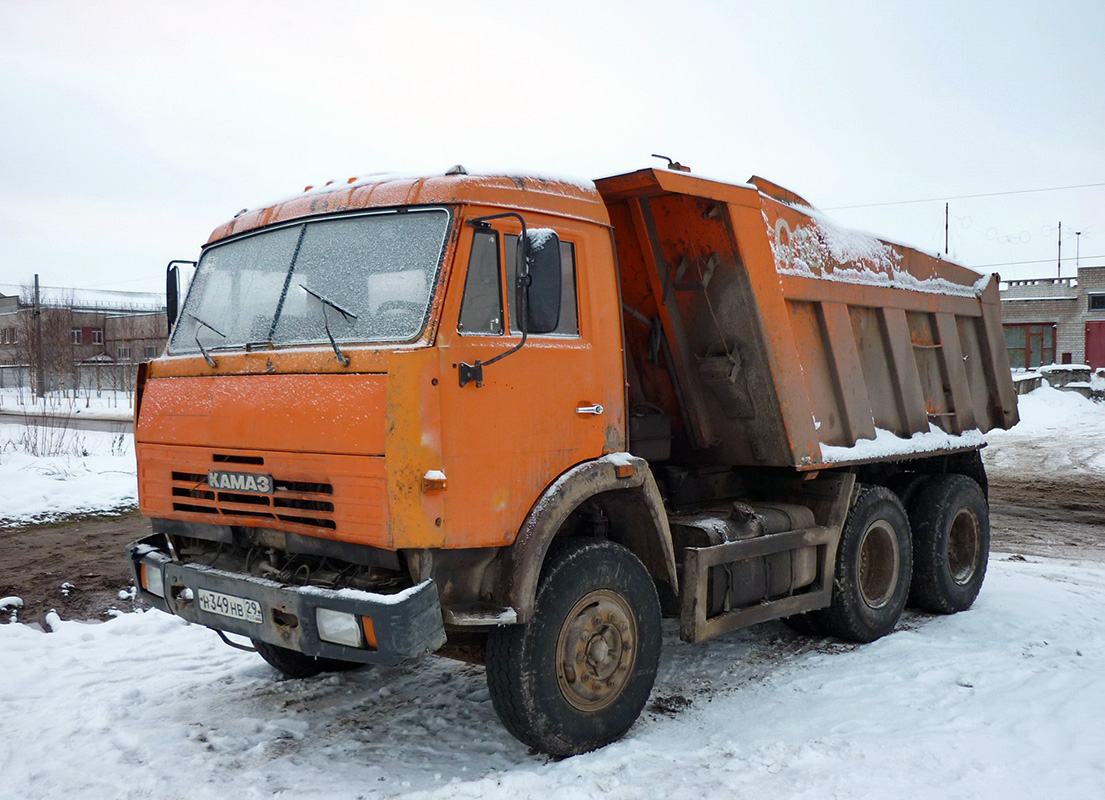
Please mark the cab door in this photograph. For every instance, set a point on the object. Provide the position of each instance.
(554, 403)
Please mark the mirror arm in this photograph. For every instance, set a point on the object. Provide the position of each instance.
(474, 372)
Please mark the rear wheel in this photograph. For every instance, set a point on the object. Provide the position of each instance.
(578, 674)
(873, 568)
(951, 543)
(294, 664)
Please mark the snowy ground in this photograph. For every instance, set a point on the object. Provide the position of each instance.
(1005, 700)
(51, 470)
(1059, 432)
(85, 472)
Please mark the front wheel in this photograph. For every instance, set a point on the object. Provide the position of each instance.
(578, 674)
(294, 664)
(874, 562)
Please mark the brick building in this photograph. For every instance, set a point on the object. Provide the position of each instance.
(79, 327)
(1055, 320)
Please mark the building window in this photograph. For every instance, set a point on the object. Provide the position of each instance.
(1097, 302)
(149, 352)
(122, 354)
(13, 337)
(4, 336)
(76, 334)
(97, 336)
(1031, 345)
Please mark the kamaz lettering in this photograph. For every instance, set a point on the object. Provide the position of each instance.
(240, 482)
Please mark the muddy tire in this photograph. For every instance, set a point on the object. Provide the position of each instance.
(873, 569)
(577, 675)
(297, 665)
(950, 520)
(906, 485)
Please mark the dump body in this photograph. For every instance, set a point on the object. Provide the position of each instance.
(769, 337)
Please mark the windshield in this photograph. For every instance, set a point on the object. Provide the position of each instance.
(368, 278)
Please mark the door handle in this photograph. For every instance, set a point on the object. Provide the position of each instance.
(596, 409)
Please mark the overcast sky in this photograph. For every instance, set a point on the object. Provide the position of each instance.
(129, 130)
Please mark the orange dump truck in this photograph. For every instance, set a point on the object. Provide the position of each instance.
(517, 420)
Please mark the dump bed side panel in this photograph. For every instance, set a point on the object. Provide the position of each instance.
(771, 337)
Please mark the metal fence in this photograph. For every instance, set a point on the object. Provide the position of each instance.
(84, 379)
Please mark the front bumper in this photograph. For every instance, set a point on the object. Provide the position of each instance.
(406, 625)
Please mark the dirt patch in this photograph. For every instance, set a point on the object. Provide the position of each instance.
(1056, 519)
(77, 567)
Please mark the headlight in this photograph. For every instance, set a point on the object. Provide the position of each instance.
(153, 581)
(339, 627)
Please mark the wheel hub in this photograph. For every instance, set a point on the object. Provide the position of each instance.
(596, 650)
(878, 564)
(963, 547)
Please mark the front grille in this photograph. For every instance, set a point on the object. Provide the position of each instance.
(296, 502)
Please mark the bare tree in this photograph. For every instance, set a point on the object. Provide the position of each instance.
(57, 347)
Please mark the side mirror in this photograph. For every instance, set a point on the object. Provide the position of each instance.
(541, 264)
(172, 291)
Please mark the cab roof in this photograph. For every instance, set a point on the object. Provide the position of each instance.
(566, 197)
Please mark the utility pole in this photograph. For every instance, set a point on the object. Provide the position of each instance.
(1059, 269)
(945, 228)
(40, 377)
(1077, 249)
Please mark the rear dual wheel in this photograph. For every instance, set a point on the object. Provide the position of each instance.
(950, 519)
(873, 567)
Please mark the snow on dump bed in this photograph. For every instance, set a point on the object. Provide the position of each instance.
(887, 445)
(822, 249)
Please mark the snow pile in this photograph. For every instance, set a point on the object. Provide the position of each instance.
(1058, 432)
(92, 472)
(1005, 700)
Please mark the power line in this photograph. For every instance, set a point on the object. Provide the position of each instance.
(1037, 261)
(966, 197)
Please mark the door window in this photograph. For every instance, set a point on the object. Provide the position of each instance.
(481, 310)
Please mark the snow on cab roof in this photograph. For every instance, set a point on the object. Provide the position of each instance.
(577, 196)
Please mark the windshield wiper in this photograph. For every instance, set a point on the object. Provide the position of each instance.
(206, 357)
(342, 358)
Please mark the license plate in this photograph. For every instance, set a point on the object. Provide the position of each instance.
(227, 605)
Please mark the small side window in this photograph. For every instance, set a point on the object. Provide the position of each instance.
(481, 310)
(1097, 302)
(569, 317)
